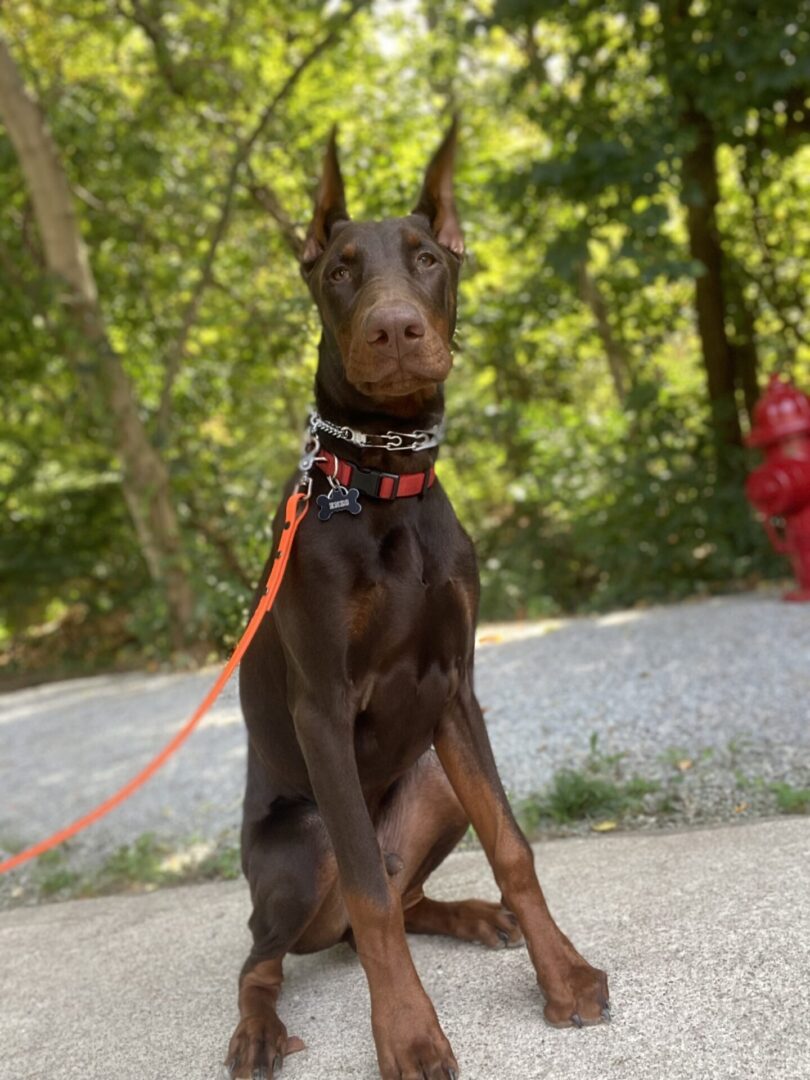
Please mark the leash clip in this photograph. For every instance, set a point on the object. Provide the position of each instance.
(312, 447)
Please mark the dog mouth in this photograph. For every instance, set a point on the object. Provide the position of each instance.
(397, 386)
(398, 376)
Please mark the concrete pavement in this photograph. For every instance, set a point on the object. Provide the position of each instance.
(706, 935)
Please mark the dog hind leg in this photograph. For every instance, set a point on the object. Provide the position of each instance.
(422, 823)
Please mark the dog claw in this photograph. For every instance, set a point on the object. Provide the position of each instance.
(452, 1074)
(502, 934)
(278, 1063)
(576, 1020)
(606, 1016)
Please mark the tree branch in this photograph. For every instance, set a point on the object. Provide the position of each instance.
(47, 184)
(591, 295)
(150, 23)
(205, 524)
(243, 150)
(269, 201)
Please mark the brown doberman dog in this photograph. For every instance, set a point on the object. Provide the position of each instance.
(368, 754)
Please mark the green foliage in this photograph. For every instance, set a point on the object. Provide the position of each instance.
(52, 877)
(586, 481)
(791, 800)
(148, 863)
(222, 865)
(597, 791)
(58, 882)
(574, 796)
(628, 508)
(140, 863)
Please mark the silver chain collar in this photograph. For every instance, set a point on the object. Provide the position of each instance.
(420, 439)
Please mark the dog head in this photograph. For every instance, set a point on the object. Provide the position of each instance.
(386, 290)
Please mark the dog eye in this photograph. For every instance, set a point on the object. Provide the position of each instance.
(340, 273)
(424, 258)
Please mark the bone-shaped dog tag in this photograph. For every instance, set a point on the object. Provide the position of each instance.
(337, 500)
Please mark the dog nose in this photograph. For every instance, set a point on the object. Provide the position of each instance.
(396, 326)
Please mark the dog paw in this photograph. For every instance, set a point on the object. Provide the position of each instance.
(258, 1048)
(412, 1046)
(423, 1058)
(578, 999)
(489, 924)
(469, 920)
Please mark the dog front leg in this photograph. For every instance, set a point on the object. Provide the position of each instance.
(409, 1040)
(575, 992)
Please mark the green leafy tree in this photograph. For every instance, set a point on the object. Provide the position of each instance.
(634, 102)
(153, 406)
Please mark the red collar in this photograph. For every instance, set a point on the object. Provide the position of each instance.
(379, 485)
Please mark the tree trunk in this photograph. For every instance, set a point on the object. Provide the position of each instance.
(700, 195)
(744, 344)
(145, 478)
(592, 295)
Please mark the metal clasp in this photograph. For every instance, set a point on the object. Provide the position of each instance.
(312, 447)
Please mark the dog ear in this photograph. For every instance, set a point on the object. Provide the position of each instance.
(330, 206)
(436, 201)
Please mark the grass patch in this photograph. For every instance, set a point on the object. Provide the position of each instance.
(52, 877)
(146, 864)
(140, 864)
(791, 800)
(222, 865)
(150, 863)
(60, 881)
(597, 792)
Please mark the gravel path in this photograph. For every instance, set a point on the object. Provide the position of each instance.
(713, 694)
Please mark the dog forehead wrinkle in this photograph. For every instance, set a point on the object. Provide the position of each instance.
(382, 240)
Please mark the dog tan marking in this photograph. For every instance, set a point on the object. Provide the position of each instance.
(361, 607)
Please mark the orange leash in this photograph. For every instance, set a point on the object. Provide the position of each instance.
(294, 513)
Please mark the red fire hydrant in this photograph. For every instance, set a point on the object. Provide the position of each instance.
(780, 488)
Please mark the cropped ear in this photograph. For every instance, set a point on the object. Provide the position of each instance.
(436, 201)
(330, 206)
